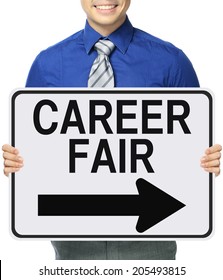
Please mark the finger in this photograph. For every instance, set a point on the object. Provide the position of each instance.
(210, 157)
(11, 163)
(213, 149)
(13, 157)
(8, 148)
(212, 163)
(8, 170)
(215, 170)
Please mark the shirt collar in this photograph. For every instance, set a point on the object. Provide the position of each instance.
(120, 37)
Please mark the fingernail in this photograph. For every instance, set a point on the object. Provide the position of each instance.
(16, 169)
(20, 158)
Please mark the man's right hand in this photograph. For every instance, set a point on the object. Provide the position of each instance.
(12, 160)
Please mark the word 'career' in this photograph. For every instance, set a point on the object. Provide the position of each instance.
(73, 118)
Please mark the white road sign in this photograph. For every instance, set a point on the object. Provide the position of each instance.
(122, 163)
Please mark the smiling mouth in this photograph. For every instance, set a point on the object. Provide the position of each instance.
(105, 7)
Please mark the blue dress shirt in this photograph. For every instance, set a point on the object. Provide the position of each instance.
(139, 60)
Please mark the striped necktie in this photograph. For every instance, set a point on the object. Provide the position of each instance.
(101, 74)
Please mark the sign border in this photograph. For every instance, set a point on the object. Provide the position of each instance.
(49, 91)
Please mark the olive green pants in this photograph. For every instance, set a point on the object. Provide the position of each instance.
(115, 250)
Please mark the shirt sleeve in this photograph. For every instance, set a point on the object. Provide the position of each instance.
(185, 75)
(36, 76)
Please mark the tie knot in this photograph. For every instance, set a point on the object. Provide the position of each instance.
(104, 47)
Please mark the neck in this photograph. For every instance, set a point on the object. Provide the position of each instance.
(106, 29)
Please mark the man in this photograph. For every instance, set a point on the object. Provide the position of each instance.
(138, 60)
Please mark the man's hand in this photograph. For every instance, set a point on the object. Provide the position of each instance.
(12, 160)
(211, 160)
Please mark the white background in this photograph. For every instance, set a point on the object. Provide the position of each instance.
(27, 27)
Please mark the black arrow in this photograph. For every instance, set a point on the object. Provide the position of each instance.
(152, 205)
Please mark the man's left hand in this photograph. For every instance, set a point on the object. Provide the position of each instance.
(211, 160)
